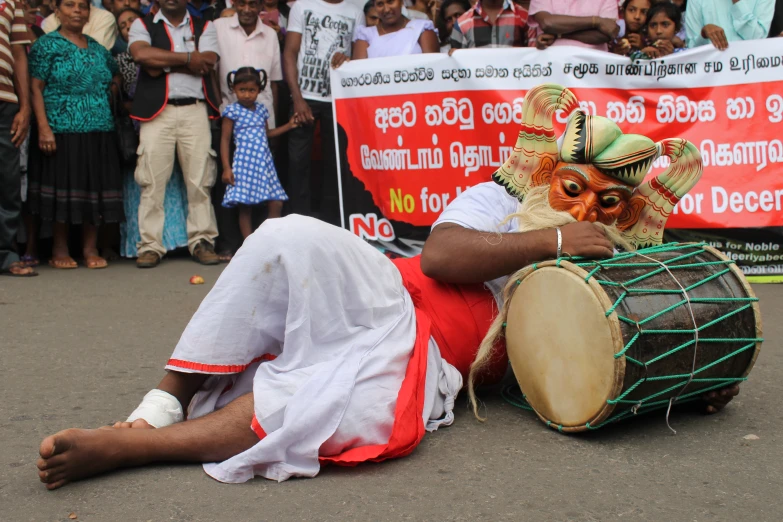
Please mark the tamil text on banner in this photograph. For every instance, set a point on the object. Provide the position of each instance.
(416, 131)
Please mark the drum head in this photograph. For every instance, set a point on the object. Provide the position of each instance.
(562, 347)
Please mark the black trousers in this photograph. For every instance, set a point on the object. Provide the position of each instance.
(10, 187)
(300, 180)
(229, 236)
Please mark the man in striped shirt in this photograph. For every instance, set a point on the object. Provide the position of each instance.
(14, 123)
(491, 23)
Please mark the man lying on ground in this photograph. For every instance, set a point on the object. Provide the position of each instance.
(314, 347)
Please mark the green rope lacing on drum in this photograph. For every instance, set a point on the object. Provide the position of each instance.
(514, 396)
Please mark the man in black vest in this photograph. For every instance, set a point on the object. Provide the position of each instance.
(175, 97)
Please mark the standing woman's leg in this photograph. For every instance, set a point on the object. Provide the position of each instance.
(90, 247)
(61, 257)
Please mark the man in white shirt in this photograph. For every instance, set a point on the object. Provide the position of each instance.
(101, 26)
(243, 41)
(176, 95)
(319, 37)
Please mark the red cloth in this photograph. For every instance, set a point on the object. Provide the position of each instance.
(408, 427)
(458, 317)
(461, 316)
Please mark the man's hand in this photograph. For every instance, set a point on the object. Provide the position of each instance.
(718, 399)
(715, 35)
(586, 240)
(544, 40)
(46, 141)
(609, 27)
(635, 40)
(198, 65)
(274, 25)
(302, 112)
(338, 59)
(228, 176)
(20, 126)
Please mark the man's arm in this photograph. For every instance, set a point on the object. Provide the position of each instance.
(694, 22)
(19, 39)
(752, 23)
(590, 36)
(454, 254)
(140, 47)
(570, 26)
(302, 111)
(293, 42)
(147, 56)
(154, 59)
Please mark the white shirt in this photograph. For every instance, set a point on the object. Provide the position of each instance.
(259, 49)
(180, 85)
(484, 207)
(326, 29)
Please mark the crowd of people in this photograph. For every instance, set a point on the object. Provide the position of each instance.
(172, 124)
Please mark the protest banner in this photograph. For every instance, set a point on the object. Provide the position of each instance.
(416, 131)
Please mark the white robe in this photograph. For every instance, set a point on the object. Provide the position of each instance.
(336, 316)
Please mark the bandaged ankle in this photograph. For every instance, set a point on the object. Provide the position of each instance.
(159, 409)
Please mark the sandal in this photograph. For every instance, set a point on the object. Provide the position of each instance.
(63, 263)
(95, 262)
(18, 269)
(30, 261)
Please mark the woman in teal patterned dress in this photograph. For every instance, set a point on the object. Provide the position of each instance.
(175, 202)
(75, 175)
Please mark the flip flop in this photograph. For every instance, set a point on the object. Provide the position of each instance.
(65, 263)
(30, 261)
(18, 264)
(95, 262)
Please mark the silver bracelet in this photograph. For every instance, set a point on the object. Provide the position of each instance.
(559, 243)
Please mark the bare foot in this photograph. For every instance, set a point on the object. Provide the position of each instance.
(93, 260)
(76, 454)
(138, 423)
(718, 399)
(63, 262)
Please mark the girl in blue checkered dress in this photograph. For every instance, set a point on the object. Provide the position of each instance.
(252, 178)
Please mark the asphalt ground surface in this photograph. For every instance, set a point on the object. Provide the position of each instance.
(80, 348)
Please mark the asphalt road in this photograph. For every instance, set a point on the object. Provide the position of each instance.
(80, 348)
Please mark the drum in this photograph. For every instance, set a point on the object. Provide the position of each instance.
(593, 342)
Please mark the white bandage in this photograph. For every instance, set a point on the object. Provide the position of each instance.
(159, 409)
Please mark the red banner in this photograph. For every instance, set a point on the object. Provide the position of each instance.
(416, 136)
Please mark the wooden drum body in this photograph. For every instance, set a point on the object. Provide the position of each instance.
(593, 342)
